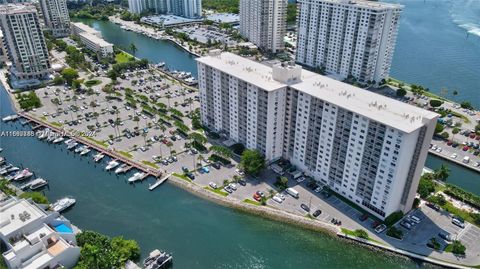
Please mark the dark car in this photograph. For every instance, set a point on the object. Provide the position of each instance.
(317, 213)
(433, 206)
(242, 182)
(216, 165)
(260, 193)
(190, 176)
(445, 236)
(305, 207)
(184, 169)
(363, 217)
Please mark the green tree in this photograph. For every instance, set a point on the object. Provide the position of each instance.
(439, 128)
(425, 187)
(133, 48)
(435, 103)
(466, 105)
(458, 248)
(401, 92)
(442, 173)
(281, 183)
(198, 138)
(252, 162)
(361, 233)
(393, 218)
(222, 151)
(69, 75)
(37, 197)
(58, 80)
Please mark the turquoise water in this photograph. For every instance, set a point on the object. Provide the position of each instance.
(200, 234)
(438, 46)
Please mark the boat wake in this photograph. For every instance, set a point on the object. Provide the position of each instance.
(466, 14)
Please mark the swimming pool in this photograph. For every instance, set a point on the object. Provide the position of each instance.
(62, 228)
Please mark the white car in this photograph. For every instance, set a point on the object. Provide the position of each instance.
(318, 189)
(213, 185)
(277, 199)
(300, 179)
(434, 147)
(453, 156)
(281, 196)
(477, 164)
(233, 186)
(238, 171)
(438, 150)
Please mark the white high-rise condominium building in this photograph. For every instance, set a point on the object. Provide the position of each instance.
(263, 22)
(348, 37)
(24, 41)
(184, 8)
(369, 148)
(56, 17)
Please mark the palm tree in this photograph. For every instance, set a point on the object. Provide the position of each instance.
(133, 48)
(442, 173)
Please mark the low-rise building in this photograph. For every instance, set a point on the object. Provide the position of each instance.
(78, 27)
(96, 44)
(35, 238)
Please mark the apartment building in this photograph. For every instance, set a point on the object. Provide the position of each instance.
(184, 8)
(348, 38)
(96, 44)
(55, 14)
(78, 27)
(24, 41)
(35, 238)
(369, 148)
(263, 22)
(92, 39)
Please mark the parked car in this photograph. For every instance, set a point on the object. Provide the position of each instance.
(233, 186)
(260, 193)
(190, 176)
(305, 207)
(317, 213)
(213, 185)
(380, 228)
(363, 217)
(446, 236)
(184, 169)
(433, 206)
(277, 199)
(242, 182)
(216, 165)
(257, 197)
(458, 222)
(228, 189)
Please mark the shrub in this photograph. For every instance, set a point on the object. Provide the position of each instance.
(361, 233)
(435, 103)
(393, 218)
(37, 197)
(395, 233)
(238, 148)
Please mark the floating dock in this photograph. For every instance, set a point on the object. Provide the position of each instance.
(108, 152)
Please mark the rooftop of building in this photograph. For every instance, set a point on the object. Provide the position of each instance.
(363, 3)
(388, 111)
(85, 27)
(16, 213)
(95, 39)
(224, 17)
(17, 8)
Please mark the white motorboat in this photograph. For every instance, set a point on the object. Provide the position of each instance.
(9, 169)
(137, 176)
(72, 145)
(121, 169)
(38, 183)
(62, 204)
(22, 175)
(85, 151)
(43, 134)
(79, 148)
(98, 157)
(51, 137)
(111, 165)
(58, 140)
(69, 141)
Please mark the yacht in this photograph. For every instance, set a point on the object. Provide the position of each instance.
(8, 169)
(80, 148)
(98, 157)
(22, 175)
(121, 169)
(136, 176)
(112, 164)
(38, 183)
(43, 134)
(58, 140)
(69, 141)
(158, 260)
(72, 145)
(51, 137)
(62, 204)
(85, 151)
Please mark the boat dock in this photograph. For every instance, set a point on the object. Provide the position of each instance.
(108, 152)
(158, 182)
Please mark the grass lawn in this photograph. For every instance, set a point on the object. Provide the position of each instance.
(217, 191)
(182, 177)
(101, 143)
(123, 57)
(93, 82)
(125, 154)
(150, 164)
(58, 124)
(461, 213)
(248, 201)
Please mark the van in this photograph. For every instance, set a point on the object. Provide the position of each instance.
(466, 159)
(415, 218)
(297, 174)
(293, 192)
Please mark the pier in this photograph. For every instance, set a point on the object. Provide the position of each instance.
(113, 154)
(159, 182)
